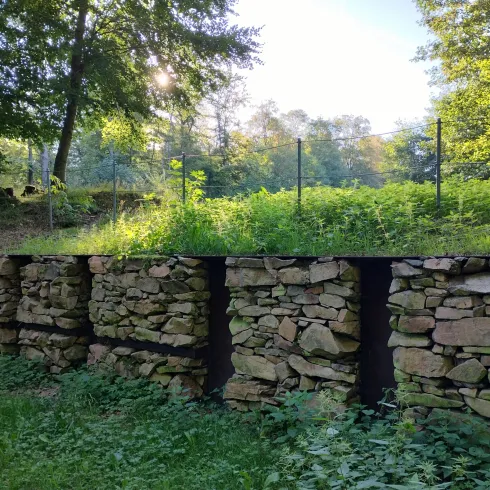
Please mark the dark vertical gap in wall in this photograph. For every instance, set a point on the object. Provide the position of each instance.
(376, 357)
(220, 347)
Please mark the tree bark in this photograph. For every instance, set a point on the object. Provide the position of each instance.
(76, 75)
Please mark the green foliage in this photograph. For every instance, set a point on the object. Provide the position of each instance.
(100, 431)
(398, 219)
(460, 47)
(69, 208)
(293, 417)
(359, 448)
(19, 373)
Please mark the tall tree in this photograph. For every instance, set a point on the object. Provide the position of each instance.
(409, 155)
(461, 48)
(67, 61)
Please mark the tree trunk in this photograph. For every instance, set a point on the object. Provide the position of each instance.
(76, 74)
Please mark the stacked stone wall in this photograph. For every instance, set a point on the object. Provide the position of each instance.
(55, 295)
(160, 304)
(295, 326)
(10, 294)
(441, 323)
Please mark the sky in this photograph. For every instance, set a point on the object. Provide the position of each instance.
(334, 57)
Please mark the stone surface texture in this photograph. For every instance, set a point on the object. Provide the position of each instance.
(442, 333)
(10, 294)
(55, 291)
(295, 326)
(161, 301)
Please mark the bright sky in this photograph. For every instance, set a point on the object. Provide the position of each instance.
(333, 57)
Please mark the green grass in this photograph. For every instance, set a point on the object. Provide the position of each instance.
(104, 433)
(398, 219)
(87, 430)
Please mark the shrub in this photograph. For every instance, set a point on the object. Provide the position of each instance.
(363, 449)
(398, 219)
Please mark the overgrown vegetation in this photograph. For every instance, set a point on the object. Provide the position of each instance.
(85, 430)
(103, 432)
(399, 219)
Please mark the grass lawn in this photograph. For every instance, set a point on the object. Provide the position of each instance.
(87, 432)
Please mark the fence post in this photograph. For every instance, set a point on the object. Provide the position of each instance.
(183, 177)
(50, 201)
(30, 171)
(114, 193)
(438, 164)
(299, 174)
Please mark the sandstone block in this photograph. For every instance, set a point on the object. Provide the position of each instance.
(320, 340)
(482, 407)
(348, 272)
(471, 371)
(284, 371)
(275, 263)
(398, 284)
(398, 339)
(465, 332)
(445, 313)
(474, 264)
(294, 275)
(242, 337)
(332, 301)
(429, 400)
(287, 329)
(470, 284)
(315, 311)
(446, 265)
(351, 329)
(421, 362)
(178, 325)
(159, 271)
(324, 272)
(309, 369)
(412, 300)
(254, 311)
(403, 269)
(146, 335)
(415, 324)
(255, 366)
(306, 299)
(250, 277)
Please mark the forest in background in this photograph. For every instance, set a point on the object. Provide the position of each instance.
(194, 108)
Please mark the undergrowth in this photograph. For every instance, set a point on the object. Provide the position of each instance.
(100, 431)
(85, 430)
(398, 219)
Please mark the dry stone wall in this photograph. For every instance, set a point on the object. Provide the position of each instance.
(441, 323)
(55, 293)
(161, 302)
(295, 326)
(10, 294)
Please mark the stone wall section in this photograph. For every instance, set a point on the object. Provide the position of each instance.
(10, 294)
(160, 301)
(295, 326)
(55, 293)
(441, 323)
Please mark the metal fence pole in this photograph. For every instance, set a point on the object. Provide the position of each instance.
(299, 174)
(438, 164)
(183, 177)
(30, 171)
(114, 192)
(50, 200)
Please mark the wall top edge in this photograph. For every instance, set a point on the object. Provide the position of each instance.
(217, 257)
